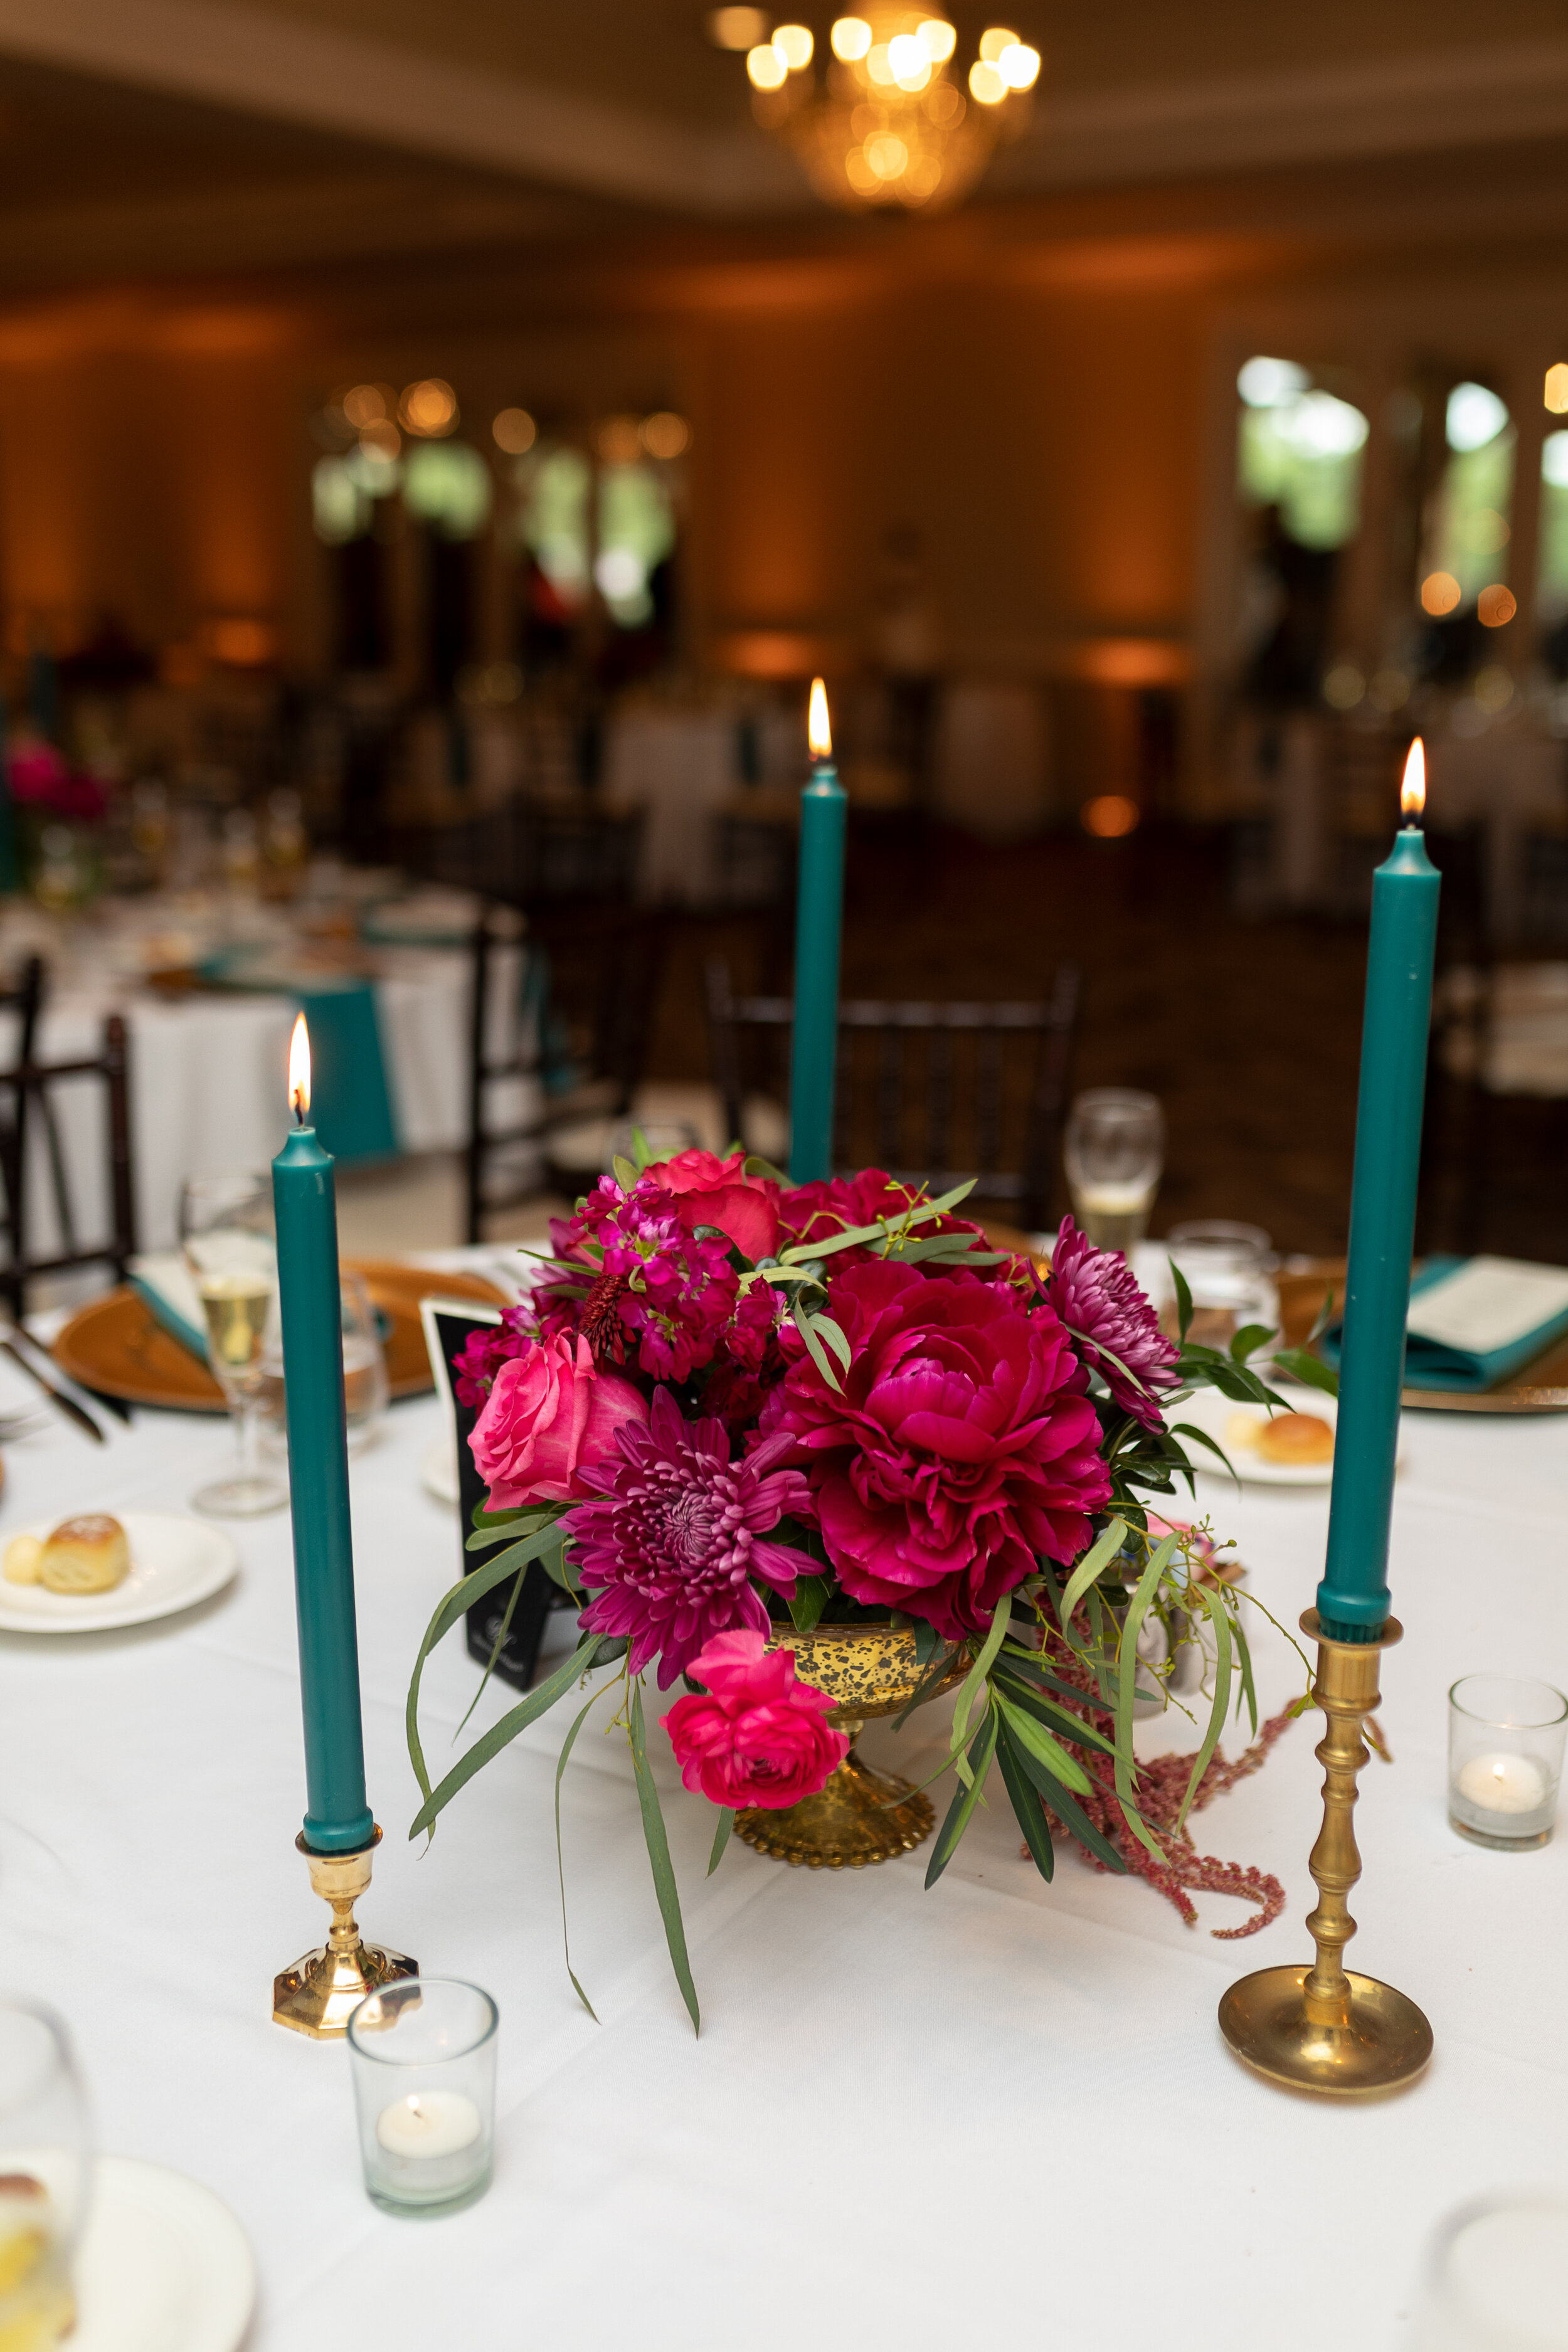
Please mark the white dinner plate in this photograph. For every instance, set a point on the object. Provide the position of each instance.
(175, 1562)
(439, 1469)
(1214, 1415)
(163, 2265)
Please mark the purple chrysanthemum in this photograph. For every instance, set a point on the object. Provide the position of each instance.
(670, 1544)
(1113, 1326)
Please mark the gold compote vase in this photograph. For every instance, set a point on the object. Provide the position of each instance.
(860, 1815)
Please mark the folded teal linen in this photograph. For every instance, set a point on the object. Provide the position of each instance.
(351, 1102)
(1441, 1363)
(163, 1278)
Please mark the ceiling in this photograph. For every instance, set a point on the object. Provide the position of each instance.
(164, 136)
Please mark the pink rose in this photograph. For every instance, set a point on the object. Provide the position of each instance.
(712, 1192)
(551, 1414)
(759, 1735)
(960, 1449)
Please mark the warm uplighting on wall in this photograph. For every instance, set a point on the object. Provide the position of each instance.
(241, 644)
(515, 431)
(429, 408)
(1109, 816)
(1556, 389)
(885, 122)
(737, 28)
(618, 441)
(1439, 593)
(366, 404)
(1496, 606)
(664, 434)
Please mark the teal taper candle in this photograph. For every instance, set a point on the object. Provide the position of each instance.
(818, 926)
(337, 1818)
(1354, 1598)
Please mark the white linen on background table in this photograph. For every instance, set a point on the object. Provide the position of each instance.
(999, 2109)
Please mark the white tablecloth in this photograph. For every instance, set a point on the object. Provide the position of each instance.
(996, 2113)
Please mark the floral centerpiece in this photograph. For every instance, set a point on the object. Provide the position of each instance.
(734, 1415)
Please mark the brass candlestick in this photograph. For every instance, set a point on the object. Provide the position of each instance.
(317, 1995)
(1323, 2028)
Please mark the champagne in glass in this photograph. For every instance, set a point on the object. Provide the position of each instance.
(225, 1231)
(1114, 1151)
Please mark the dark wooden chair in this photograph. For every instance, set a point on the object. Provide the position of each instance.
(594, 982)
(936, 1094)
(29, 1103)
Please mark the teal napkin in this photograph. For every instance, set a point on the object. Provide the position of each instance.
(351, 1104)
(163, 1278)
(1530, 1312)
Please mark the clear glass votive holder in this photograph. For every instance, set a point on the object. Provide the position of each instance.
(1505, 1760)
(423, 2054)
(45, 2177)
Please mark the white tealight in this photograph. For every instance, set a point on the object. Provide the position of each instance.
(428, 2124)
(1502, 1783)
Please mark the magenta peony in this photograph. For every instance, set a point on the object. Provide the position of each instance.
(1114, 1328)
(758, 1736)
(672, 1540)
(711, 1191)
(552, 1413)
(960, 1447)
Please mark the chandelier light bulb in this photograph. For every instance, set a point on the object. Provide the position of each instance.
(994, 41)
(937, 39)
(737, 28)
(909, 63)
(985, 83)
(766, 67)
(795, 45)
(1019, 65)
(850, 37)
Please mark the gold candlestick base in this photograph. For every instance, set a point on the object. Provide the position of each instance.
(1323, 2028)
(319, 1994)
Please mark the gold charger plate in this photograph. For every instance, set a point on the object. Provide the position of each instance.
(1541, 1386)
(118, 1346)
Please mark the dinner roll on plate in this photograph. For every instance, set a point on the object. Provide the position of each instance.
(85, 1555)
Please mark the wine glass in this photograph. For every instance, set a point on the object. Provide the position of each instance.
(1115, 1151)
(45, 2175)
(225, 1231)
(365, 1389)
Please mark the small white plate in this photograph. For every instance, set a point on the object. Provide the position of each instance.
(163, 2265)
(1215, 1415)
(175, 1562)
(439, 1470)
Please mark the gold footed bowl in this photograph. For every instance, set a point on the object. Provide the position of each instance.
(860, 1815)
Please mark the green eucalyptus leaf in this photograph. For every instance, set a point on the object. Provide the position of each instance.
(1059, 1720)
(1026, 1807)
(499, 1735)
(1040, 1744)
(1001, 1616)
(720, 1837)
(982, 1748)
(827, 1329)
(560, 1863)
(1092, 1566)
(1221, 1703)
(455, 1603)
(805, 1325)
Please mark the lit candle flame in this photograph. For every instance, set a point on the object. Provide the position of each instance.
(1413, 790)
(299, 1069)
(816, 726)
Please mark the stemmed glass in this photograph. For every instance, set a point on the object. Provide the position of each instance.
(225, 1231)
(45, 2175)
(1115, 1150)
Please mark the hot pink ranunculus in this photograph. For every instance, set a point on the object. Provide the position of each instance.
(712, 1192)
(758, 1736)
(960, 1448)
(552, 1413)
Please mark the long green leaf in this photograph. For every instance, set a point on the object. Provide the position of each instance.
(1071, 1814)
(1302, 1365)
(1026, 1806)
(503, 1630)
(1042, 1747)
(808, 1602)
(805, 1325)
(1244, 1659)
(657, 1843)
(499, 1735)
(827, 1329)
(1221, 1704)
(453, 1605)
(720, 1837)
(1183, 1300)
(1126, 1681)
(1091, 1566)
(1058, 1720)
(982, 1748)
(1001, 1616)
(926, 1688)
(1248, 1339)
(560, 1863)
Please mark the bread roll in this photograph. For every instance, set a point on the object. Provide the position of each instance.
(1296, 1438)
(86, 1555)
(23, 1554)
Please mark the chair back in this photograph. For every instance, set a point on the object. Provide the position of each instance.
(937, 1093)
(32, 1094)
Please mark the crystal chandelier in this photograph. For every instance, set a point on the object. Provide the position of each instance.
(886, 119)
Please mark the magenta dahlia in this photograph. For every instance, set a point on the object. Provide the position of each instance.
(671, 1542)
(959, 1448)
(1113, 1326)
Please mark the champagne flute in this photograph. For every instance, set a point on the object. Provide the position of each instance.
(225, 1231)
